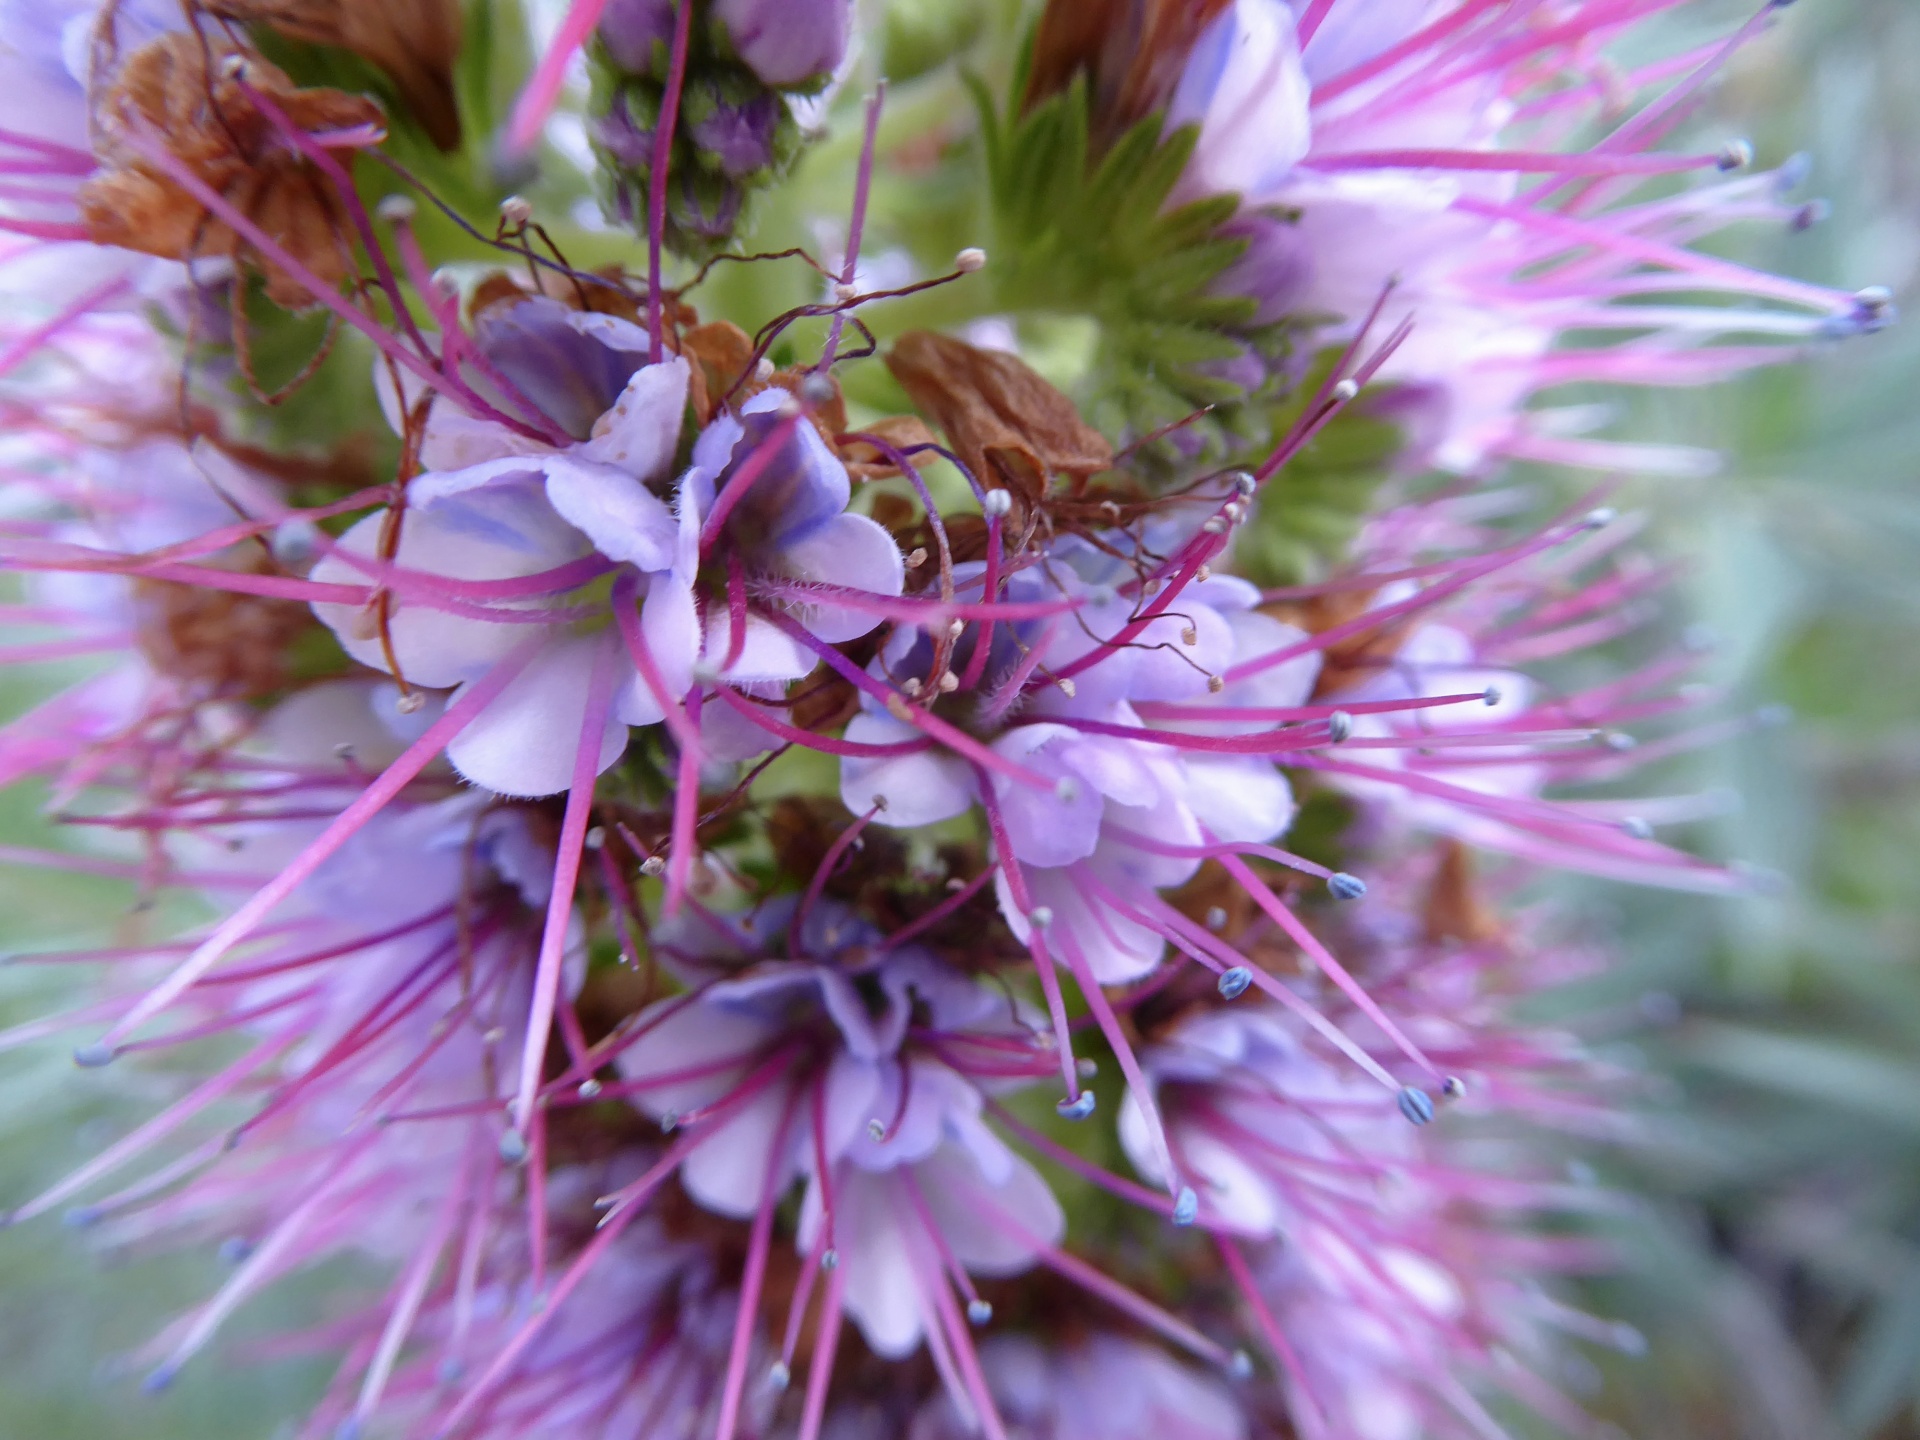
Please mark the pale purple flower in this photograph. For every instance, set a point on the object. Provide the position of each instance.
(1109, 784)
(1394, 157)
(498, 514)
(809, 1070)
(787, 42)
(1101, 1386)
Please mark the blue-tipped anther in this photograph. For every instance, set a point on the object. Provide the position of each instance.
(1343, 886)
(80, 1217)
(1339, 726)
(159, 1379)
(1453, 1087)
(513, 1148)
(1240, 1365)
(1078, 1108)
(349, 1429)
(1234, 982)
(1416, 1105)
(1186, 1206)
(779, 1377)
(234, 1249)
(979, 1311)
(92, 1057)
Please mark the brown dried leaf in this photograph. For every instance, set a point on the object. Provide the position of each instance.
(413, 42)
(233, 644)
(1007, 424)
(902, 432)
(208, 122)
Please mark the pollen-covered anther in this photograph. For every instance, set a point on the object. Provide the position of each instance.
(1215, 684)
(1190, 636)
(979, 1312)
(1453, 1088)
(595, 838)
(1064, 684)
(1244, 483)
(1735, 155)
(1637, 827)
(397, 209)
(970, 260)
(1416, 1105)
(1339, 726)
(916, 557)
(410, 702)
(1343, 886)
(1600, 517)
(898, 707)
(1346, 390)
(844, 292)
(817, 390)
(513, 1148)
(653, 866)
(996, 503)
(589, 1089)
(1216, 918)
(1040, 917)
(516, 210)
(948, 683)
(1234, 982)
(912, 686)
(1078, 1108)
(779, 1377)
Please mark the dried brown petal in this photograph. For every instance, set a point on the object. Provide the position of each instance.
(1008, 425)
(413, 42)
(205, 118)
(1453, 908)
(1132, 52)
(903, 432)
(234, 645)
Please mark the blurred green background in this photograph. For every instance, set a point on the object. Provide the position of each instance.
(1774, 1260)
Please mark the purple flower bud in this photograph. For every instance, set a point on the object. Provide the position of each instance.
(637, 34)
(787, 42)
(733, 122)
(627, 137)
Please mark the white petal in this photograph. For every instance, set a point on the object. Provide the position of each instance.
(1239, 797)
(767, 652)
(525, 741)
(851, 551)
(640, 434)
(624, 520)
(923, 788)
(434, 647)
(727, 1171)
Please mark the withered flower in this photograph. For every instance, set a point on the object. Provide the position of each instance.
(413, 42)
(197, 101)
(1008, 424)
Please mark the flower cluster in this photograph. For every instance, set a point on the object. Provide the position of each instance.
(765, 915)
